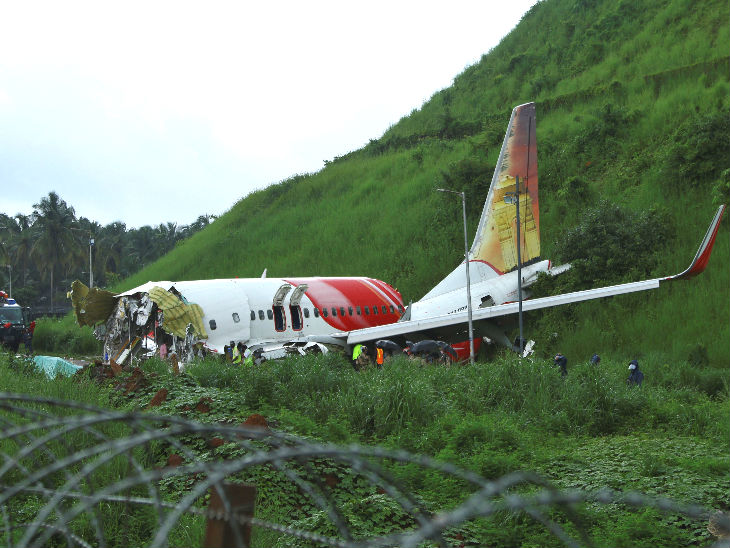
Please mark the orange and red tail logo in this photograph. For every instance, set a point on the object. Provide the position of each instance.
(496, 240)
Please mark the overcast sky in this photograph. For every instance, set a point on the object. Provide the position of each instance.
(149, 112)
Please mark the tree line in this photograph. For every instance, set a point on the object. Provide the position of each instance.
(48, 249)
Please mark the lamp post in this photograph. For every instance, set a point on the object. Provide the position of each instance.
(91, 271)
(509, 198)
(91, 245)
(468, 281)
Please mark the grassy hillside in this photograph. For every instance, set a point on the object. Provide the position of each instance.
(632, 106)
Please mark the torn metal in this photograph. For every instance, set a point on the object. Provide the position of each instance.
(132, 324)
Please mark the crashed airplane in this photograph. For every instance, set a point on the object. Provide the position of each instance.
(278, 316)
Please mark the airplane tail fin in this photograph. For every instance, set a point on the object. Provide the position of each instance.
(494, 250)
(495, 242)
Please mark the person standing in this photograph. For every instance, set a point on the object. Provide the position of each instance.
(636, 377)
(28, 338)
(379, 357)
(562, 362)
(236, 354)
(163, 350)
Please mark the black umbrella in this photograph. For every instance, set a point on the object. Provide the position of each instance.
(388, 346)
(448, 350)
(428, 348)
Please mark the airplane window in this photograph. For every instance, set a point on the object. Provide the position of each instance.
(375, 309)
(306, 313)
(253, 315)
(324, 312)
(357, 308)
(400, 309)
(392, 310)
(270, 314)
(212, 325)
(349, 310)
(342, 311)
(367, 310)
(236, 317)
(316, 312)
(384, 309)
(334, 312)
(261, 314)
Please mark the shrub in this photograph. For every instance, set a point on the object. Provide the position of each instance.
(610, 244)
(698, 144)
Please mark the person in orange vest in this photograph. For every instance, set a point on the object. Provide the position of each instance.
(379, 356)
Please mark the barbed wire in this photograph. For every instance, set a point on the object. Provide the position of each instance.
(68, 469)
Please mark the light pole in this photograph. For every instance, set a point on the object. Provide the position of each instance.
(91, 271)
(468, 281)
(509, 198)
(91, 245)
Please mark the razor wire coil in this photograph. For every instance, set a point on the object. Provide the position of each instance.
(72, 460)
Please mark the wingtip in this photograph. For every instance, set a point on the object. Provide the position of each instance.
(702, 257)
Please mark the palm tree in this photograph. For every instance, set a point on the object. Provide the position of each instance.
(167, 236)
(111, 244)
(21, 243)
(55, 245)
(141, 247)
(5, 231)
(5, 238)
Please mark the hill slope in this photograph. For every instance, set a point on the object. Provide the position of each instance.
(632, 106)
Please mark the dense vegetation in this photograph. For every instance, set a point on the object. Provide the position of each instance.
(49, 249)
(633, 140)
(588, 431)
(633, 116)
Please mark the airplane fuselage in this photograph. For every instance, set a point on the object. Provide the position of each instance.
(493, 291)
(270, 310)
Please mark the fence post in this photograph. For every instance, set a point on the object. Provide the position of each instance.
(224, 530)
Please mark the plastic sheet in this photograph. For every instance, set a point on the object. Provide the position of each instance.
(53, 366)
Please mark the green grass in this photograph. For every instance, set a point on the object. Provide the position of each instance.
(587, 431)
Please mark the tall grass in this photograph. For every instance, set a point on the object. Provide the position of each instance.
(405, 398)
(64, 337)
(492, 418)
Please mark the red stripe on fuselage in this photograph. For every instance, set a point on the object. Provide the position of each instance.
(350, 293)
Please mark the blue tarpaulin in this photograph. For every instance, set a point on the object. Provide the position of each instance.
(53, 366)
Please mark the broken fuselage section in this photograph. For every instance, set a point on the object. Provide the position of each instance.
(136, 323)
(275, 316)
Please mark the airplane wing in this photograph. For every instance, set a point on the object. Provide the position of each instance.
(450, 322)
